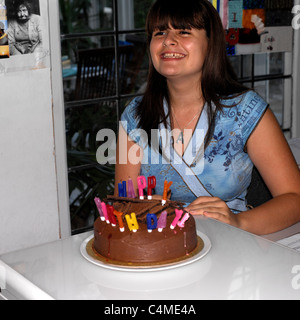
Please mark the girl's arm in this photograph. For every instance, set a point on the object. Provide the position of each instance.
(270, 153)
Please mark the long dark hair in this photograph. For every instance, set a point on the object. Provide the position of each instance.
(218, 78)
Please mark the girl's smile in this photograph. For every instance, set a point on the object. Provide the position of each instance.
(172, 55)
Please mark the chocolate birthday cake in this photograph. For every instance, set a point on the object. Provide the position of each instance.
(143, 231)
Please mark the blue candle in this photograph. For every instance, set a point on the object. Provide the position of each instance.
(124, 189)
(121, 189)
(151, 222)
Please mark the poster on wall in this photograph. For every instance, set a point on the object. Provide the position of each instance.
(25, 24)
(256, 25)
(4, 47)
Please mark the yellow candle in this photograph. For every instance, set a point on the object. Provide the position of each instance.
(132, 222)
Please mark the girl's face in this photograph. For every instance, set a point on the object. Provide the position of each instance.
(179, 53)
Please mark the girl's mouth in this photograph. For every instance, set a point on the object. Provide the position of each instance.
(172, 55)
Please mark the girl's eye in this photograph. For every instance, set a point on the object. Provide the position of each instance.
(159, 33)
(184, 32)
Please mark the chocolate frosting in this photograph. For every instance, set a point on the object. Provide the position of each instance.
(142, 246)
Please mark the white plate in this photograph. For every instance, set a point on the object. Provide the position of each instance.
(168, 266)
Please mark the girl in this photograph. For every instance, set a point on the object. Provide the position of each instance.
(219, 129)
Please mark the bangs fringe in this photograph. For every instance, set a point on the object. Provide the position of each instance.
(178, 16)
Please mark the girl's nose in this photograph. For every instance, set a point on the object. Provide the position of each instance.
(170, 39)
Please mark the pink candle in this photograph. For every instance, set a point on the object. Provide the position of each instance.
(183, 220)
(142, 184)
(178, 216)
(151, 186)
(104, 210)
(99, 207)
(131, 192)
(162, 221)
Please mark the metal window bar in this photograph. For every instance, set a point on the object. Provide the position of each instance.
(116, 34)
(266, 77)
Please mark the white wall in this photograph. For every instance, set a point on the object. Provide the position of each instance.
(32, 150)
(28, 193)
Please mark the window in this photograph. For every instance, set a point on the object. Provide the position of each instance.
(105, 65)
(97, 86)
(271, 76)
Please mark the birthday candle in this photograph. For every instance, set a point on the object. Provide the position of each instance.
(151, 222)
(141, 180)
(132, 222)
(131, 192)
(166, 189)
(162, 221)
(183, 220)
(151, 186)
(178, 216)
(120, 220)
(104, 210)
(124, 189)
(99, 207)
(110, 214)
(121, 189)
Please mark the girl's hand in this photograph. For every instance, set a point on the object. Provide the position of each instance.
(213, 208)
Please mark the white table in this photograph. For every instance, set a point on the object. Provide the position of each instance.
(239, 266)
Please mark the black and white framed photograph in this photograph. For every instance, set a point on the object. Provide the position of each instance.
(27, 34)
(25, 26)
